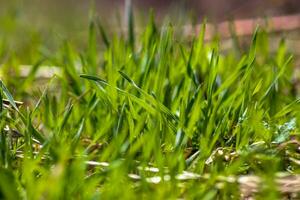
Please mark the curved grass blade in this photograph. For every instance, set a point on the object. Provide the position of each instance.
(151, 98)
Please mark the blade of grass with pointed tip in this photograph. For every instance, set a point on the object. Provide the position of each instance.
(103, 33)
(9, 96)
(130, 24)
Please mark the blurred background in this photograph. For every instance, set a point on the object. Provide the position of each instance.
(43, 21)
(75, 12)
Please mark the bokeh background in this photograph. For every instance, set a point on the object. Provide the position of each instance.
(28, 22)
(75, 12)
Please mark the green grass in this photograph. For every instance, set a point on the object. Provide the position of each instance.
(133, 118)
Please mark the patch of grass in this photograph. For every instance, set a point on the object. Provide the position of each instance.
(150, 116)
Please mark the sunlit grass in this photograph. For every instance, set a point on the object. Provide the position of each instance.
(152, 116)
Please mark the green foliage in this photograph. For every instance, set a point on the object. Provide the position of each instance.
(127, 118)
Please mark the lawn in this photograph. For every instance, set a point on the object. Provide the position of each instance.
(154, 115)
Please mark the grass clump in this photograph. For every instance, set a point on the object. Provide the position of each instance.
(151, 116)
